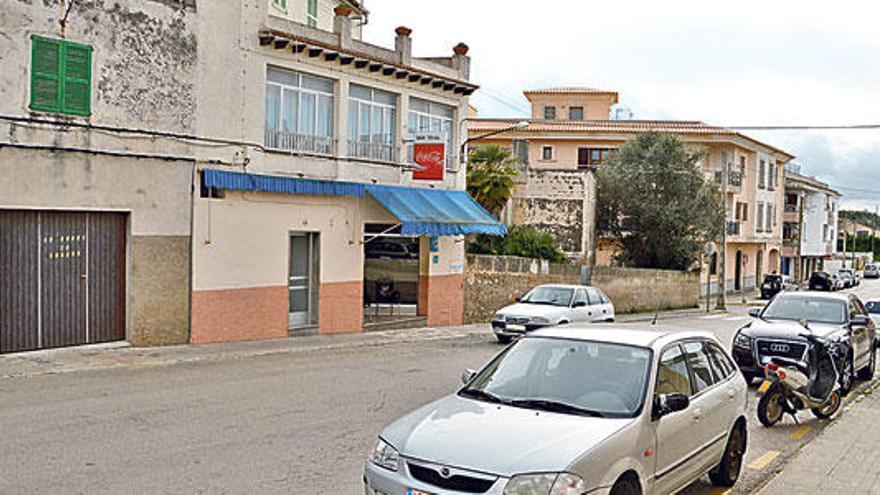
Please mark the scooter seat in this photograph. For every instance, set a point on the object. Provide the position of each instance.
(796, 363)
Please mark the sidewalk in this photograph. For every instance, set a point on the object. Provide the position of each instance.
(844, 458)
(120, 355)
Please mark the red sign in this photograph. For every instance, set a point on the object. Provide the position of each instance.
(429, 155)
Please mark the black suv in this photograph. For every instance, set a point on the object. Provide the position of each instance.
(777, 328)
(822, 281)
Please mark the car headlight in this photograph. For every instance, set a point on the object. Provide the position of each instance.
(742, 340)
(545, 484)
(385, 455)
(498, 317)
(540, 320)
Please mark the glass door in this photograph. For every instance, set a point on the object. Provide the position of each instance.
(300, 280)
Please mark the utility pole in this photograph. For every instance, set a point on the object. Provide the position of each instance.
(874, 230)
(722, 249)
(799, 275)
(844, 247)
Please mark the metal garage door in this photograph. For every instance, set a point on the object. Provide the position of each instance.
(62, 279)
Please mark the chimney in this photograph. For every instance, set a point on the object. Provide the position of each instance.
(403, 45)
(460, 61)
(342, 25)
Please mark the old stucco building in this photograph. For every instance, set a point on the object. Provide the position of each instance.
(810, 225)
(571, 132)
(186, 171)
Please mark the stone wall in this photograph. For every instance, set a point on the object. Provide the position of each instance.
(492, 282)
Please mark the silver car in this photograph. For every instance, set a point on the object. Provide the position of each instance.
(872, 270)
(592, 409)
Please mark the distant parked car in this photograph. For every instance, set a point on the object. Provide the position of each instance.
(846, 279)
(547, 305)
(774, 283)
(391, 249)
(872, 270)
(823, 281)
(873, 307)
(854, 275)
(574, 410)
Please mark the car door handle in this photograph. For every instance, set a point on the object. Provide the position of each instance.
(698, 414)
(731, 393)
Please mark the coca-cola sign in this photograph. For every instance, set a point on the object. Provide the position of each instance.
(429, 155)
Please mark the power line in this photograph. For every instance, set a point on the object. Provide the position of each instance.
(803, 127)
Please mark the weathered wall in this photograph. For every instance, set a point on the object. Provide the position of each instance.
(491, 282)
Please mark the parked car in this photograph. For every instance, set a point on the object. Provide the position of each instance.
(846, 280)
(774, 283)
(872, 270)
(823, 281)
(853, 276)
(873, 307)
(547, 305)
(390, 248)
(777, 329)
(573, 410)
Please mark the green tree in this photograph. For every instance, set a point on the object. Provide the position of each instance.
(490, 177)
(654, 199)
(527, 242)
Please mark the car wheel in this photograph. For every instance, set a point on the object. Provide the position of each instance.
(628, 484)
(504, 339)
(727, 471)
(867, 373)
(846, 376)
(829, 408)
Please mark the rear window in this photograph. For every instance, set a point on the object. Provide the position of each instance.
(873, 307)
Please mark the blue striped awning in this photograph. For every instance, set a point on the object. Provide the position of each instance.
(420, 211)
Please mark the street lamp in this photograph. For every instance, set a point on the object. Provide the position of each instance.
(522, 124)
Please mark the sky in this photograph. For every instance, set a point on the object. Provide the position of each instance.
(742, 63)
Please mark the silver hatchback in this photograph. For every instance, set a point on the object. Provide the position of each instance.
(617, 410)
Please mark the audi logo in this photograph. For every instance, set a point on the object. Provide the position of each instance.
(780, 347)
(445, 473)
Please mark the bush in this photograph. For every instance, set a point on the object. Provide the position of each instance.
(527, 242)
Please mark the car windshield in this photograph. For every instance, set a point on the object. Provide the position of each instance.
(568, 376)
(873, 307)
(812, 309)
(771, 279)
(554, 296)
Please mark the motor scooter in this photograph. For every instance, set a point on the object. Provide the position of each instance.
(792, 385)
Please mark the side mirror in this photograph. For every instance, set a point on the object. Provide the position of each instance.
(665, 404)
(579, 304)
(859, 321)
(754, 312)
(467, 375)
(517, 299)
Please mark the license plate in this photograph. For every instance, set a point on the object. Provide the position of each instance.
(413, 491)
(764, 386)
(517, 328)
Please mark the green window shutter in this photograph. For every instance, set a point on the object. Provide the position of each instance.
(77, 79)
(45, 74)
(312, 13)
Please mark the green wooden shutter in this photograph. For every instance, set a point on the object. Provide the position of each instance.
(45, 74)
(77, 79)
(312, 13)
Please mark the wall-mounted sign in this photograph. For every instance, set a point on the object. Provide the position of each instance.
(434, 243)
(429, 155)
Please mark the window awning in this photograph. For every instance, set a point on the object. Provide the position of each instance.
(420, 211)
(436, 211)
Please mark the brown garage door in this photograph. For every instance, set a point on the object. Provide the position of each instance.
(62, 279)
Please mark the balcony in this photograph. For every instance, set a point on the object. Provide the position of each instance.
(733, 227)
(303, 143)
(790, 216)
(734, 180)
(380, 152)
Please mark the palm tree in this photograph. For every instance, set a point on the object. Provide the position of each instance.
(490, 177)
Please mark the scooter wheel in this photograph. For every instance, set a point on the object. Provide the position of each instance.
(829, 408)
(770, 411)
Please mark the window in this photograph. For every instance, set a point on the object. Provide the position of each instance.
(672, 374)
(280, 5)
(759, 227)
(311, 13)
(742, 211)
(550, 112)
(742, 165)
(547, 153)
(427, 116)
(762, 170)
(595, 297)
(771, 180)
(299, 112)
(576, 113)
(592, 156)
(61, 76)
(771, 218)
(520, 148)
(699, 363)
(372, 118)
(580, 297)
(720, 362)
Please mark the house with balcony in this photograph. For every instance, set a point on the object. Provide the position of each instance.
(810, 225)
(571, 132)
(213, 171)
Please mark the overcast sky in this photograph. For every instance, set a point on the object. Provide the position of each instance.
(769, 62)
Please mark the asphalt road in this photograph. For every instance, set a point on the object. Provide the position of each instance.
(301, 423)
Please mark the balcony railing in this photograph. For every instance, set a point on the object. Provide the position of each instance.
(734, 179)
(791, 208)
(733, 227)
(373, 151)
(305, 143)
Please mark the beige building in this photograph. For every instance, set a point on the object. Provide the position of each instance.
(571, 132)
(220, 171)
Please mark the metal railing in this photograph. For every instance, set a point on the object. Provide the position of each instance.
(791, 208)
(306, 143)
(733, 227)
(381, 152)
(734, 178)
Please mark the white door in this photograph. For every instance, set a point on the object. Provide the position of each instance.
(300, 280)
(601, 309)
(580, 306)
(712, 400)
